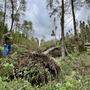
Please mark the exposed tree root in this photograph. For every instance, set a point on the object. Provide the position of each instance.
(36, 68)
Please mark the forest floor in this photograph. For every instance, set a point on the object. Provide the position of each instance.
(74, 71)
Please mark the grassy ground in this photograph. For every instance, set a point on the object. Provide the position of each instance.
(74, 75)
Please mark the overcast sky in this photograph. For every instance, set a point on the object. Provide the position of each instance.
(38, 14)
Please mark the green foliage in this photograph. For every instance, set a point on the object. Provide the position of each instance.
(85, 32)
(3, 29)
(37, 75)
(15, 85)
(58, 43)
(1, 48)
(1, 16)
(45, 45)
(24, 42)
(70, 78)
(69, 42)
(2, 84)
(27, 28)
(7, 68)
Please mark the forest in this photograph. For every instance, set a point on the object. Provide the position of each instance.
(44, 44)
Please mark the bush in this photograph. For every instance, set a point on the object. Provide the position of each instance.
(37, 75)
(6, 68)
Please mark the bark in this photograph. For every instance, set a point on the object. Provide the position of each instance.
(74, 20)
(4, 17)
(12, 15)
(62, 30)
(74, 24)
(53, 27)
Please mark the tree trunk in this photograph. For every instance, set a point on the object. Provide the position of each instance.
(74, 20)
(12, 15)
(4, 17)
(74, 24)
(53, 34)
(62, 31)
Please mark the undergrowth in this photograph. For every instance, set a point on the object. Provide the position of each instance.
(72, 76)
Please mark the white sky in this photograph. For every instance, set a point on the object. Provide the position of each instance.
(38, 14)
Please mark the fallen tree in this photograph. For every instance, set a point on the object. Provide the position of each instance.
(54, 52)
(37, 68)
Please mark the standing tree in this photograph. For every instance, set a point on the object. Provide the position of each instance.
(17, 10)
(3, 27)
(74, 20)
(74, 24)
(5, 4)
(12, 15)
(52, 12)
(59, 10)
(62, 30)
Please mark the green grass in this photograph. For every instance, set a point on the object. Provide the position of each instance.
(70, 77)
